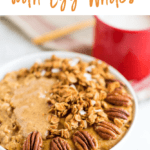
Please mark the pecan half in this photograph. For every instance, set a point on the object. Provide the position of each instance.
(33, 141)
(117, 113)
(119, 100)
(114, 80)
(84, 141)
(107, 130)
(59, 144)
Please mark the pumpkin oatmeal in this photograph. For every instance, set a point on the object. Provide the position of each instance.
(63, 104)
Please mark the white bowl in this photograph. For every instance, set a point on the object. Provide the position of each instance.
(28, 61)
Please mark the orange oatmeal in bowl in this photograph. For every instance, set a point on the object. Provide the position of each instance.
(63, 104)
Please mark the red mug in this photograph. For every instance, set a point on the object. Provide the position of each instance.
(127, 50)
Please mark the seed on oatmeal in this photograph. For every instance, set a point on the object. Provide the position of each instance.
(73, 86)
(93, 102)
(55, 70)
(98, 110)
(43, 72)
(82, 112)
(88, 76)
(74, 62)
(89, 68)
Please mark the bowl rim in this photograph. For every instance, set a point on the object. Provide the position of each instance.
(28, 60)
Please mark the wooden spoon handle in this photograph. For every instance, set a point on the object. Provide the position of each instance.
(58, 33)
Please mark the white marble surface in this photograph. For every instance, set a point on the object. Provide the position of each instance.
(14, 45)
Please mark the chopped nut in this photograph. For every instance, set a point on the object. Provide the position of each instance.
(98, 104)
(112, 86)
(127, 125)
(91, 119)
(119, 122)
(67, 126)
(104, 105)
(61, 106)
(37, 74)
(54, 119)
(72, 78)
(96, 96)
(23, 72)
(55, 132)
(65, 133)
(102, 114)
(77, 117)
(102, 95)
(99, 119)
(83, 124)
(74, 124)
(57, 64)
(54, 126)
(69, 117)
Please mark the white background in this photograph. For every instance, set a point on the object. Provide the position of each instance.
(14, 45)
(139, 7)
